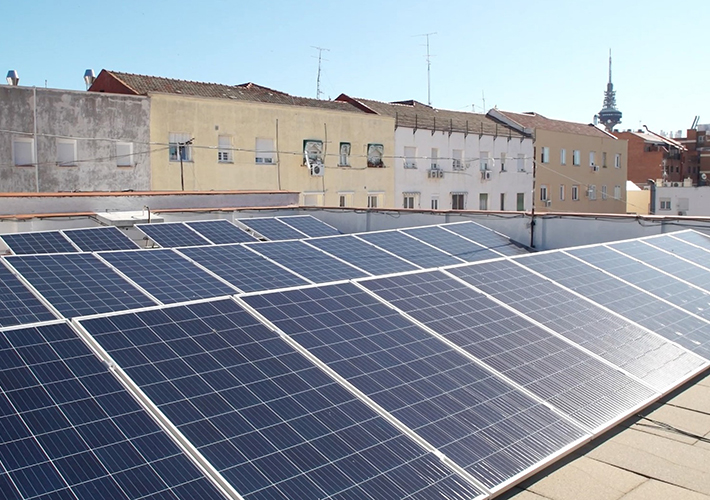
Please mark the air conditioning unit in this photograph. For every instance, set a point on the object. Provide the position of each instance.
(317, 169)
(595, 168)
(485, 175)
(435, 173)
(548, 203)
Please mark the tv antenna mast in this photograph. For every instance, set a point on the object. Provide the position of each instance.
(428, 66)
(320, 54)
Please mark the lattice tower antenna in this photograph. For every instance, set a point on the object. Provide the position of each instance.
(428, 66)
(320, 58)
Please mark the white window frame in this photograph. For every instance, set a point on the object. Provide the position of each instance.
(562, 192)
(604, 157)
(174, 148)
(617, 160)
(592, 158)
(344, 154)
(410, 200)
(664, 204)
(502, 202)
(224, 149)
(345, 198)
(545, 154)
(375, 199)
(503, 157)
(617, 192)
(485, 161)
(483, 201)
(23, 140)
(69, 162)
(544, 195)
(604, 192)
(124, 154)
(434, 159)
(462, 197)
(457, 159)
(264, 151)
(312, 152)
(576, 157)
(518, 198)
(410, 157)
(592, 192)
(520, 160)
(435, 203)
(375, 155)
(575, 192)
(563, 156)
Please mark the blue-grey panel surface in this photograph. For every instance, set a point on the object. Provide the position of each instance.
(645, 309)
(79, 284)
(220, 231)
(39, 242)
(96, 239)
(680, 248)
(307, 261)
(484, 236)
(482, 423)
(69, 430)
(310, 225)
(648, 356)
(410, 249)
(554, 370)
(167, 275)
(362, 254)
(694, 237)
(18, 305)
(273, 229)
(272, 423)
(172, 234)
(452, 243)
(248, 271)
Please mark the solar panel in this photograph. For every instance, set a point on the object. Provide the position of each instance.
(637, 305)
(408, 248)
(641, 353)
(96, 239)
(486, 426)
(220, 231)
(309, 225)
(452, 243)
(167, 276)
(693, 237)
(680, 248)
(272, 228)
(243, 268)
(78, 284)
(362, 254)
(70, 430)
(554, 370)
(18, 306)
(660, 284)
(306, 261)
(273, 424)
(38, 242)
(486, 237)
(172, 234)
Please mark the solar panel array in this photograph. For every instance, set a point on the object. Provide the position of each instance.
(38, 242)
(353, 367)
(95, 239)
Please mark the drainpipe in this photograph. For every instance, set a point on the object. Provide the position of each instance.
(532, 210)
(652, 184)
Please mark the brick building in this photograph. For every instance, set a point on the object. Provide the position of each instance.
(697, 142)
(652, 156)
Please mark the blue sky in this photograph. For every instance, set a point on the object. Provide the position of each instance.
(544, 56)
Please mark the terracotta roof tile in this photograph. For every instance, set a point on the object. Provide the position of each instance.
(538, 121)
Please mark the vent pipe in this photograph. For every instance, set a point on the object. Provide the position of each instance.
(89, 78)
(13, 78)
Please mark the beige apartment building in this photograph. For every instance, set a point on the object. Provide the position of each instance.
(578, 167)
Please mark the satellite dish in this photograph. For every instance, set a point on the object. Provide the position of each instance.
(704, 176)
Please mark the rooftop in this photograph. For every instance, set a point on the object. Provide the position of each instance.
(534, 120)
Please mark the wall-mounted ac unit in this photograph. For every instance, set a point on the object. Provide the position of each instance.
(435, 173)
(485, 175)
(595, 168)
(317, 169)
(548, 203)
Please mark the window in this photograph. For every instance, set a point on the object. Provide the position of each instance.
(562, 192)
(375, 152)
(456, 159)
(435, 203)
(485, 161)
(520, 202)
(563, 156)
(603, 159)
(458, 201)
(576, 157)
(483, 201)
(665, 203)
(435, 158)
(313, 199)
(312, 152)
(617, 160)
(502, 201)
(701, 138)
(264, 150)
(545, 155)
(344, 160)
(66, 152)
(375, 200)
(521, 162)
(617, 192)
(592, 192)
(124, 154)
(345, 199)
(23, 151)
(410, 200)
(575, 192)
(543, 193)
(604, 192)
(410, 154)
(592, 156)
(502, 162)
(180, 147)
(224, 149)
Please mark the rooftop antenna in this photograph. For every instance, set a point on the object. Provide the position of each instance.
(428, 66)
(483, 98)
(320, 53)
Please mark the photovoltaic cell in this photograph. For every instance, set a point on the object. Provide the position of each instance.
(410, 249)
(243, 268)
(649, 357)
(680, 248)
(18, 306)
(693, 237)
(552, 369)
(220, 231)
(96, 239)
(309, 225)
(659, 284)
(362, 254)
(68, 429)
(78, 284)
(452, 243)
(307, 261)
(167, 276)
(484, 236)
(492, 430)
(172, 234)
(272, 228)
(39, 242)
(637, 305)
(272, 423)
